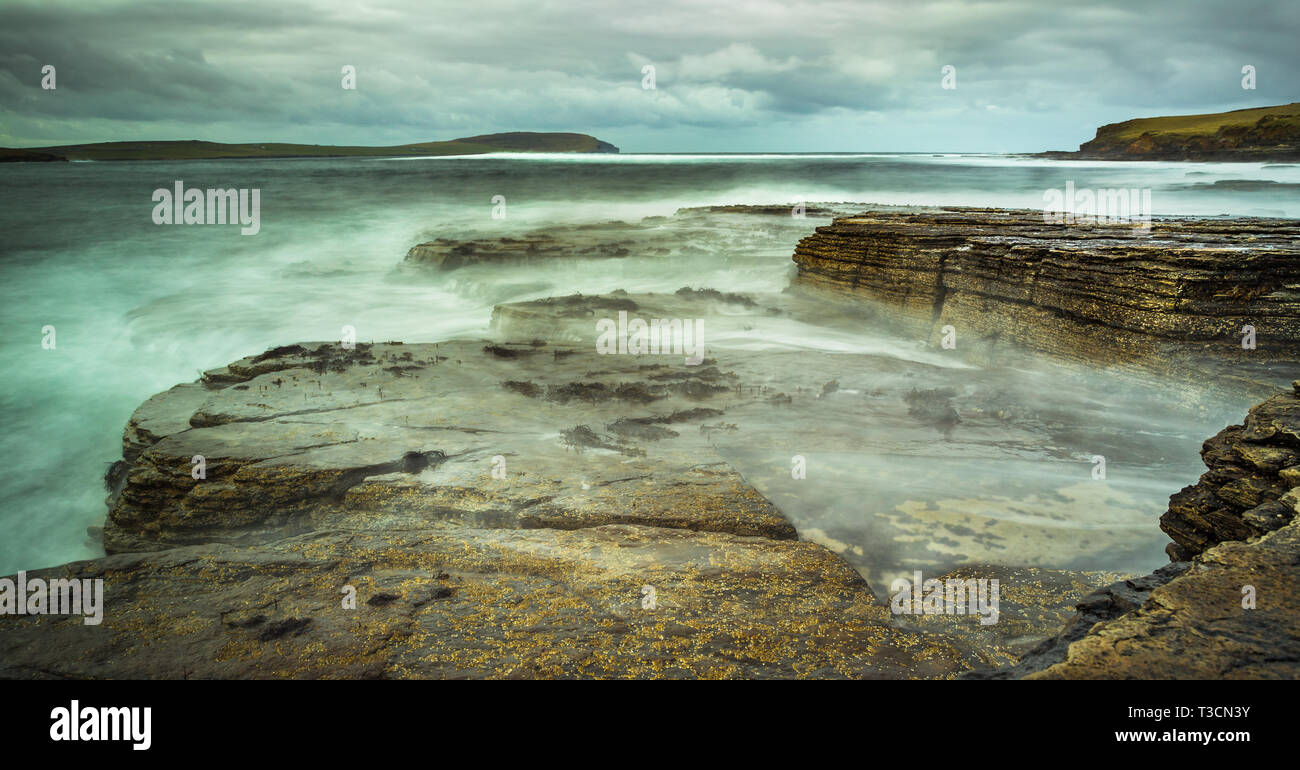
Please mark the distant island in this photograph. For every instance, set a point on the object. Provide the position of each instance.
(515, 141)
(1257, 134)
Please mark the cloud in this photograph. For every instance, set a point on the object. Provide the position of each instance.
(734, 75)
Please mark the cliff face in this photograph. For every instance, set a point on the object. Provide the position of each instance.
(1259, 134)
(1274, 135)
(1089, 292)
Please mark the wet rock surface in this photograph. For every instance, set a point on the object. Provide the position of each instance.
(392, 435)
(554, 485)
(1166, 299)
(610, 601)
(613, 542)
(690, 232)
(1234, 614)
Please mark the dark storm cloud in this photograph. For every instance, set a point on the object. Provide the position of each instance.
(739, 74)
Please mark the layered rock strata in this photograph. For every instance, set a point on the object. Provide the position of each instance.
(1090, 292)
(1250, 487)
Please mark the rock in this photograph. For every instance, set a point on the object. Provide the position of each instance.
(501, 507)
(1090, 292)
(373, 468)
(1198, 627)
(404, 435)
(1107, 603)
(449, 254)
(524, 506)
(1033, 604)
(614, 601)
(688, 232)
(1252, 467)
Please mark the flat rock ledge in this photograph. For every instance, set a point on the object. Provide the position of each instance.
(697, 231)
(497, 510)
(1228, 605)
(1091, 291)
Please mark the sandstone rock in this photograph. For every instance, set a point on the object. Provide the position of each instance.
(1107, 603)
(402, 435)
(1033, 604)
(1250, 469)
(1197, 627)
(373, 467)
(1089, 292)
(480, 603)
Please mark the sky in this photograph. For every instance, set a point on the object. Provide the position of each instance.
(739, 76)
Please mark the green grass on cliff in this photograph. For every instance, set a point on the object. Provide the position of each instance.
(1194, 125)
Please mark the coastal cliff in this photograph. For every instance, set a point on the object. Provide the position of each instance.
(1250, 135)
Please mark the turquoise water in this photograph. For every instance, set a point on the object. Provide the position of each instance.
(139, 307)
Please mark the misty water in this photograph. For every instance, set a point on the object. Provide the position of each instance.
(139, 307)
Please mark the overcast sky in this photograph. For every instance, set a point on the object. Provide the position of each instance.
(730, 76)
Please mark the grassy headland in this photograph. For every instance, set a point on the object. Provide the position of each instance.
(1258, 134)
(518, 141)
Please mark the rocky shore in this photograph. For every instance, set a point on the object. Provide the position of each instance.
(525, 506)
(501, 510)
(516, 509)
(1228, 606)
(1171, 300)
